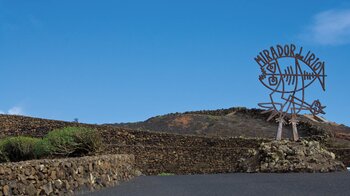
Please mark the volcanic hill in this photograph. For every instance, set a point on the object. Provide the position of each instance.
(236, 122)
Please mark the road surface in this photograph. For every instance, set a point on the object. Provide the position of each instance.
(233, 184)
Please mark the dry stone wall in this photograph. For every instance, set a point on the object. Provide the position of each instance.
(153, 160)
(65, 176)
(11, 125)
(157, 153)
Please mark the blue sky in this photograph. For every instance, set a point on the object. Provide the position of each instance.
(118, 61)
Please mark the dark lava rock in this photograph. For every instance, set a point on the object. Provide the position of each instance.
(288, 156)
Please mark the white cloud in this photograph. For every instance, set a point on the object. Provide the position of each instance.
(330, 27)
(16, 111)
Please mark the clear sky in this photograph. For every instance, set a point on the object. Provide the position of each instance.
(118, 61)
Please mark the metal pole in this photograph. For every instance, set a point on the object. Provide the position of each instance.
(280, 125)
(294, 122)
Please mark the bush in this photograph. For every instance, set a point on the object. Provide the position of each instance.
(73, 141)
(90, 141)
(19, 148)
(3, 157)
(43, 148)
(70, 141)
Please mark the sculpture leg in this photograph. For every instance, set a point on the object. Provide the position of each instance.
(279, 131)
(280, 121)
(294, 122)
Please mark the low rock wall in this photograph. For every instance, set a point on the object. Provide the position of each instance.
(135, 138)
(65, 176)
(153, 160)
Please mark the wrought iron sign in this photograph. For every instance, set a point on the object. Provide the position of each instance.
(287, 71)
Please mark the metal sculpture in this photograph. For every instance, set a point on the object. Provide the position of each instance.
(287, 71)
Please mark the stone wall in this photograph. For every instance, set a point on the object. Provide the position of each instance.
(65, 176)
(153, 160)
(157, 153)
(136, 138)
(12, 125)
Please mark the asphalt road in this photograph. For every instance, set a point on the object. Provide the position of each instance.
(234, 184)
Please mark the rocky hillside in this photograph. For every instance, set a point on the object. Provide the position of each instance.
(234, 122)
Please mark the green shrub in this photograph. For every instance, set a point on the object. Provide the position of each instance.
(73, 141)
(90, 141)
(19, 148)
(69, 141)
(43, 148)
(3, 157)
